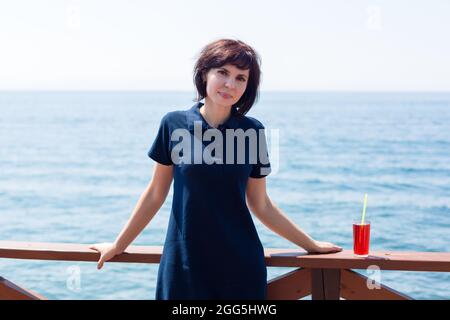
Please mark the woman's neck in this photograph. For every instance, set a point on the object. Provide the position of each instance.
(214, 114)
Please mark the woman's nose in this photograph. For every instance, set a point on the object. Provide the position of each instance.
(230, 83)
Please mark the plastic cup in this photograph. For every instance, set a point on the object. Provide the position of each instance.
(361, 238)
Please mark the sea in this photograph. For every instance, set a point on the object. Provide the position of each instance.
(73, 165)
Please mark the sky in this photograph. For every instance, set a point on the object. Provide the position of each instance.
(333, 45)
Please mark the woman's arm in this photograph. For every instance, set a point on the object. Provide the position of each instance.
(148, 205)
(271, 216)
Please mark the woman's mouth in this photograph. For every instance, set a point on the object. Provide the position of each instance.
(225, 95)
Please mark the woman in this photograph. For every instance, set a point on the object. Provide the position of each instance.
(212, 249)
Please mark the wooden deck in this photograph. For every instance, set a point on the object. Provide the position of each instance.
(324, 276)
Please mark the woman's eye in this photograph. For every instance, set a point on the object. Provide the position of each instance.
(242, 79)
(221, 72)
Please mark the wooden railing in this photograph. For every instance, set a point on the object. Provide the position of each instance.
(324, 276)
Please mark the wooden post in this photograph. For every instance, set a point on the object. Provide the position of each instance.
(325, 284)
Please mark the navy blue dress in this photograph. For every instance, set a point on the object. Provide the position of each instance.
(212, 249)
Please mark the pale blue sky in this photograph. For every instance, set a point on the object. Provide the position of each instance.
(152, 45)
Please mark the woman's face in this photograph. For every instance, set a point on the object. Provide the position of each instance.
(225, 85)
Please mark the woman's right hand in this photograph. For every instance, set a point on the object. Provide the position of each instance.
(107, 252)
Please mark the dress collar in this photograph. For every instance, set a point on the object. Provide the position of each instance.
(193, 114)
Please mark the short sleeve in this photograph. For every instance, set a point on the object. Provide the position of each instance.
(262, 167)
(160, 149)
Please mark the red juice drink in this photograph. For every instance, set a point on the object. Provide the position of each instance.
(361, 238)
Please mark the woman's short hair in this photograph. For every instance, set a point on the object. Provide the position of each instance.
(237, 53)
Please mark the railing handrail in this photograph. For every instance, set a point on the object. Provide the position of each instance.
(291, 257)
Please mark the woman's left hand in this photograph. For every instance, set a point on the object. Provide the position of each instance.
(324, 247)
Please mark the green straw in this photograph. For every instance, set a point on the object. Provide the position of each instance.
(364, 208)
